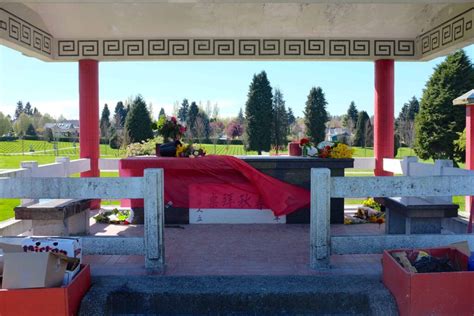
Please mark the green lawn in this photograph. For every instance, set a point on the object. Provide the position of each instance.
(44, 154)
(38, 148)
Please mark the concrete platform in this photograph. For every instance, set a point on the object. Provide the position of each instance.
(239, 295)
(215, 249)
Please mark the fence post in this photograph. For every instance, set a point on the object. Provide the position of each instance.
(154, 220)
(64, 161)
(439, 165)
(320, 229)
(31, 166)
(406, 164)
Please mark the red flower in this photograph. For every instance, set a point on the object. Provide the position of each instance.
(173, 119)
(304, 141)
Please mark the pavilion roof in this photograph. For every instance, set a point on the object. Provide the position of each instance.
(466, 99)
(237, 29)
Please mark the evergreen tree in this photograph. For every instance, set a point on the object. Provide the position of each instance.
(162, 113)
(183, 111)
(258, 113)
(138, 122)
(120, 114)
(19, 109)
(439, 123)
(28, 110)
(291, 117)
(36, 112)
(363, 132)
(105, 121)
(280, 121)
(240, 117)
(30, 131)
(350, 119)
(202, 128)
(191, 119)
(315, 115)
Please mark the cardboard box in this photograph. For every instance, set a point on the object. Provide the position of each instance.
(443, 293)
(31, 270)
(70, 247)
(63, 300)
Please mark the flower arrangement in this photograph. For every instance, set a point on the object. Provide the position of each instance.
(305, 145)
(170, 128)
(370, 212)
(115, 216)
(189, 151)
(143, 148)
(326, 149)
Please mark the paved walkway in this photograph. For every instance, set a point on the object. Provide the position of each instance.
(236, 250)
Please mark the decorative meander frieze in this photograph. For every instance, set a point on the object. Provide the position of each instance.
(265, 48)
(456, 29)
(17, 30)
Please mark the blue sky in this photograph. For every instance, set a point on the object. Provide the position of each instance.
(53, 87)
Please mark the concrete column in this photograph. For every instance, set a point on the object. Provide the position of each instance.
(31, 166)
(383, 114)
(320, 229)
(470, 157)
(89, 117)
(154, 220)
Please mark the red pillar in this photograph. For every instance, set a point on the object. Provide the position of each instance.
(383, 114)
(89, 117)
(470, 157)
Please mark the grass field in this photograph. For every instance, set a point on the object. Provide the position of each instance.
(44, 153)
(43, 148)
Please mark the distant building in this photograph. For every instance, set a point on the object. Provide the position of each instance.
(64, 129)
(337, 134)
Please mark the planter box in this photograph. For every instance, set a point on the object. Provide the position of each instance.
(47, 301)
(445, 293)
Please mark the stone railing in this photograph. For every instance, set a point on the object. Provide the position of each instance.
(150, 188)
(323, 188)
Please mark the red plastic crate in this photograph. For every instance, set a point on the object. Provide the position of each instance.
(444, 293)
(47, 301)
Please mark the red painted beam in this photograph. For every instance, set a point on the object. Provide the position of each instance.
(383, 114)
(89, 117)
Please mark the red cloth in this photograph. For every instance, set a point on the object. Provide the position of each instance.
(217, 182)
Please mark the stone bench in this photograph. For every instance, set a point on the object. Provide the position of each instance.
(61, 217)
(414, 215)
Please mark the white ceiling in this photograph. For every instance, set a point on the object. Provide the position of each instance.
(339, 19)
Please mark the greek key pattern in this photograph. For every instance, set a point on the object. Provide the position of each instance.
(236, 48)
(445, 34)
(24, 33)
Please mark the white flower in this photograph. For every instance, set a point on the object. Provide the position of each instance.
(312, 151)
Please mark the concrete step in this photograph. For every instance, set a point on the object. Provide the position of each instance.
(238, 295)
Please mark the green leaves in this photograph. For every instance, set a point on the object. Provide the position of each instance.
(439, 122)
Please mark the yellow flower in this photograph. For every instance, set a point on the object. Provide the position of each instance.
(341, 151)
(179, 150)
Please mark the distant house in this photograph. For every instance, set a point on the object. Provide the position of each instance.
(337, 134)
(63, 129)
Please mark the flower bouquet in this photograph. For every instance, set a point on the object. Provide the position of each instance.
(325, 149)
(115, 216)
(170, 128)
(305, 145)
(334, 150)
(189, 151)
